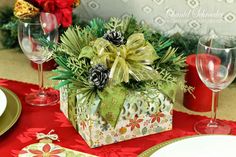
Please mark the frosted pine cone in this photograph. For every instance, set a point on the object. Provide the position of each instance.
(114, 37)
(99, 75)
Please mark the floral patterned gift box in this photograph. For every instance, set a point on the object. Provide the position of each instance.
(117, 80)
(143, 113)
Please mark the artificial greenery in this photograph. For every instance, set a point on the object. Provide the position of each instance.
(134, 57)
(186, 42)
(8, 28)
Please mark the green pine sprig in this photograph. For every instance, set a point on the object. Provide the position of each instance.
(186, 42)
(97, 26)
(115, 24)
(77, 52)
(75, 38)
(8, 28)
(130, 27)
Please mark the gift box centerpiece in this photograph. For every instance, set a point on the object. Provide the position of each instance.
(117, 80)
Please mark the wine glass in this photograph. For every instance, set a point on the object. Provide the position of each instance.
(32, 35)
(216, 66)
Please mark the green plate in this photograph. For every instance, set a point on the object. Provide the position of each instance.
(12, 112)
(153, 149)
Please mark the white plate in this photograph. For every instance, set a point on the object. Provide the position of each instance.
(3, 102)
(200, 146)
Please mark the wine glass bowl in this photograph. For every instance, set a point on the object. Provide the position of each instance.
(32, 36)
(216, 66)
(29, 35)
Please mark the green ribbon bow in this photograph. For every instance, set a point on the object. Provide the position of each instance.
(133, 59)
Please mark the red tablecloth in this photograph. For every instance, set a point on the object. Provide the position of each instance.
(43, 119)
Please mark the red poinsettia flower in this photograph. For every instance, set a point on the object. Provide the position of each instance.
(134, 123)
(157, 117)
(61, 8)
(46, 151)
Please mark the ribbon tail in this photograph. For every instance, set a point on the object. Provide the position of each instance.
(112, 101)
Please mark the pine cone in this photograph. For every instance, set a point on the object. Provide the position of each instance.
(99, 76)
(114, 37)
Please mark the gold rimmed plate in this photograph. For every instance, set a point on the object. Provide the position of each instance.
(195, 146)
(12, 112)
(3, 102)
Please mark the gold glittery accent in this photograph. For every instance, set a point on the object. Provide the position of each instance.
(76, 3)
(123, 130)
(24, 10)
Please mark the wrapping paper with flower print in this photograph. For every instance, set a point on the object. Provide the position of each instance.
(143, 113)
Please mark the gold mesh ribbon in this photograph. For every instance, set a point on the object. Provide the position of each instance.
(133, 59)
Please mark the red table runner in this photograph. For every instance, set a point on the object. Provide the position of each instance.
(44, 119)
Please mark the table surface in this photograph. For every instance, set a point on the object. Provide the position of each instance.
(43, 119)
(15, 66)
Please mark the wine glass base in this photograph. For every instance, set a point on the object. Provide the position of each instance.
(42, 98)
(207, 127)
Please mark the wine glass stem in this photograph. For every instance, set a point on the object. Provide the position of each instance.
(214, 107)
(40, 78)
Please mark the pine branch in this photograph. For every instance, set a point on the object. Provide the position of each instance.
(97, 25)
(6, 14)
(160, 43)
(172, 62)
(8, 28)
(186, 43)
(75, 38)
(129, 27)
(115, 24)
(168, 55)
(79, 67)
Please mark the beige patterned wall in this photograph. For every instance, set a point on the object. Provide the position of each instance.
(6, 3)
(169, 16)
